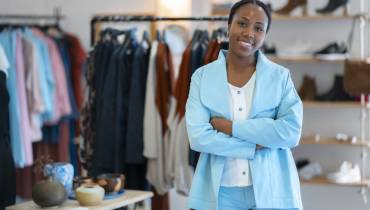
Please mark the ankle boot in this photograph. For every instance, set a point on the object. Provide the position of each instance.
(291, 5)
(308, 89)
(337, 92)
(333, 5)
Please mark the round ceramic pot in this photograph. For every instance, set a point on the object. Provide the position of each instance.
(48, 193)
(89, 194)
(61, 172)
(81, 180)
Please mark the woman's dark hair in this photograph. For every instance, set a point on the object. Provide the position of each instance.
(238, 4)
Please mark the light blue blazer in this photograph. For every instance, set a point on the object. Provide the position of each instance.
(275, 122)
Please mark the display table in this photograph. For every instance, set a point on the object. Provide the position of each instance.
(129, 197)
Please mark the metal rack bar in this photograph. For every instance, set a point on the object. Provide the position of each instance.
(125, 18)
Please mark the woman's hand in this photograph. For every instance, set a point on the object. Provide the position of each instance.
(222, 125)
(225, 126)
(259, 147)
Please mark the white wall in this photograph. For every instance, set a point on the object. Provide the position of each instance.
(318, 33)
(78, 13)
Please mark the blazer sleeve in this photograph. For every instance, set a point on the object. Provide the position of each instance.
(202, 136)
(282, 132)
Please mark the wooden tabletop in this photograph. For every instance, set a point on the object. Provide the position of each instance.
(129, 197)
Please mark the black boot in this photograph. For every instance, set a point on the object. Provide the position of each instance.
(336, 93)
(332, 6)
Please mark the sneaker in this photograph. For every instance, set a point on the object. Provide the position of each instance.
(310, 171)
(347, 173)
(332, 51)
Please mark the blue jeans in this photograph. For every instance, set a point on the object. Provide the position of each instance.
(237, 198)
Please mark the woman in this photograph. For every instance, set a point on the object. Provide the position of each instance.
(244, 115)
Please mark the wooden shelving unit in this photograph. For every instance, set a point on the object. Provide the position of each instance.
(332, 141)
(331, 104)
(324, 182)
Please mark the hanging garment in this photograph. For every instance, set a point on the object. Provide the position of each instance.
(175, 171)
(88, 118)
(42, 73)
(34, 97)
(134, 136)
(7, 172)
(25, 126)
(8, 40)
(4, 63)
(152, 121)
(45, 61)
(113, 110)
(78, 59)
(212, 51)
(63, 51)
(161, 71)
(61, 101)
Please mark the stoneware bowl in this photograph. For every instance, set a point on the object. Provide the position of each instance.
(89, 194)
(112, 183)
(81, 180)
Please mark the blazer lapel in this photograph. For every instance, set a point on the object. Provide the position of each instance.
(264, 88)
(214, 90)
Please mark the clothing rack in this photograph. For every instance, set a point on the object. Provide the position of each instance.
(57, 16)
(126, 18)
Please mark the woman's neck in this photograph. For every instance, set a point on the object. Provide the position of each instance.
(238, 64)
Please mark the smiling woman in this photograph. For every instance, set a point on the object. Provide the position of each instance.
(244, 115)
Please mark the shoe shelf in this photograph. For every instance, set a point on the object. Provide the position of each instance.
(331, 104)
(324, 181)
(310, 140)
(297, 17)
(313, 17)
(303, 59)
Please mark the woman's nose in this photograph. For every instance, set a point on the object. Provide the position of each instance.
(248, 32)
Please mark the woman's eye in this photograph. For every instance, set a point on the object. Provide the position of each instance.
(241, 24)
(259, 29)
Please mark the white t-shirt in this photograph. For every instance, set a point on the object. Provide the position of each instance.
(236, 171)
(4, 63)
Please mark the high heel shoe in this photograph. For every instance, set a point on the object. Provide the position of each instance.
(333, 5)
(291, 5)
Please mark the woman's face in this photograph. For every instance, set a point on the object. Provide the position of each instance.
(247, 30)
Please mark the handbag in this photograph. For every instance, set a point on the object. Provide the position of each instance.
(356, 77)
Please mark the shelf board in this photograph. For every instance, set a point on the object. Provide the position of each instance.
(333, 141)
(225, 12)
(324, 182)
(301, 59)
(311, 17)
(331, 104)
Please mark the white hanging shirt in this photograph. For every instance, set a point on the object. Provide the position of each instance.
(4, 63)
(236, 171)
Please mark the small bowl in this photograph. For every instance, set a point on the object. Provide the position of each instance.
(112, 183)
(89, 194)
(81, 180)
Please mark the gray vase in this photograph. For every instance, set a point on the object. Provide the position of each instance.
(48, 193)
